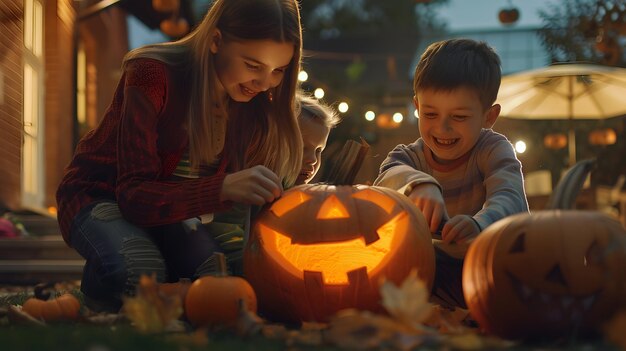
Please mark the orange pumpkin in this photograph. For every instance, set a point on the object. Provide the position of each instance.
(62, 308)
(546, 274)
(555, 141)
(174, 27)
(604, 136)
(165, 5)
(508, 15)
(323, 248)
(215, 301)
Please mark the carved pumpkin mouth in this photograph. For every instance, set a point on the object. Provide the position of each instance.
(333, 259)
(555, 306)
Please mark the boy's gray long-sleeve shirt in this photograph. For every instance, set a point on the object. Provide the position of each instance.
(488, 185)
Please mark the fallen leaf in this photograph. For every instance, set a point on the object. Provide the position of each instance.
(364, 330)
(409, 302)
(151, 311)
(466, 341)
(446, 320)
(17, 316)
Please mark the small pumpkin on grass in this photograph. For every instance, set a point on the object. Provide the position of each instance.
(62, 308)
(214, 301)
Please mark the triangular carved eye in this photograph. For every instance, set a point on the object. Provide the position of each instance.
(518, 245)
(332, 208)
(556, 276)
(593, 254)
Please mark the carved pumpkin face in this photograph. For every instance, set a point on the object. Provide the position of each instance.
(322, 248)
(546, 274)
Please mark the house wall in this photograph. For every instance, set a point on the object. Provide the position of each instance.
(59, 21)
(105, 40)
(11, 101)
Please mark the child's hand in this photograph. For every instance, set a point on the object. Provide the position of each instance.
(427, 197)
(459, 229)
(253, 186)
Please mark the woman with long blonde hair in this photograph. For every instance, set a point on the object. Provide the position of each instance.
(195, 126)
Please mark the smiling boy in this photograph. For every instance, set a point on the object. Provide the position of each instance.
(459, 172)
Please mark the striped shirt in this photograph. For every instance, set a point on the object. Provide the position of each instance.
(486, 183)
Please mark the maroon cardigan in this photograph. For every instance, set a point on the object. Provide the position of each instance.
(131, 155)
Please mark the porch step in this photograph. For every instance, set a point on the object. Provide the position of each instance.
(49, 247)
(36, 271)
(33, 259)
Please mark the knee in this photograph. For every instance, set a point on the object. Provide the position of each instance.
(140, 256)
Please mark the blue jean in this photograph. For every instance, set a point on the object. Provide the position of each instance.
(117, 252)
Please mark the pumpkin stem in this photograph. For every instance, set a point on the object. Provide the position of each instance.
(220, 261)
(42, 291)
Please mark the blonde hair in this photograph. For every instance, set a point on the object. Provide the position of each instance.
(309, 107)
(271, 131)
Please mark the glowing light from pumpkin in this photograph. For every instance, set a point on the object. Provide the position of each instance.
(335, 259)
(289, 202)
(332, 208)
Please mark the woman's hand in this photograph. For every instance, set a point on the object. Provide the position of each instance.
(253, 186)
(460, 229)
(427, 197)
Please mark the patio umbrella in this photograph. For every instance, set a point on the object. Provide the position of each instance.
(567, 91)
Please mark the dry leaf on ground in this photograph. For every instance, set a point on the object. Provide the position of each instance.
(151, 311)
(409, 302)
(364, 330)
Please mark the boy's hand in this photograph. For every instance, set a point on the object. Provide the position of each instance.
(427, 197)
(253, 186)
(460, 229)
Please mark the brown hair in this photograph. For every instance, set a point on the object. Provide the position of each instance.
(271, 131)
(454, 63)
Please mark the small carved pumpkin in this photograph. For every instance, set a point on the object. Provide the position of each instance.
(546, 274)
(215, 301)
(62, 308)
(323, 248)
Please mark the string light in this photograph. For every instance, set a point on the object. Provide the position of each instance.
(397, 117)
(343, 107)
(318, 93)
(370, 115)
(303, 76)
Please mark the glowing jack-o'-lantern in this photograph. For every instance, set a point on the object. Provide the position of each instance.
(546, 274)
(322, 248)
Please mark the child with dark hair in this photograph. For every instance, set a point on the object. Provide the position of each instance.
(459, 172)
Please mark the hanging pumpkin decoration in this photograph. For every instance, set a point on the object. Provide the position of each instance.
(62, 308)
(508, 16)
(555, 141)
(214, 301)
(165, 5)
(547, 274)
(174, 27)
(605, 136)
(323, 248)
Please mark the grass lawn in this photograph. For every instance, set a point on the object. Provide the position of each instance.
(123, 336)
